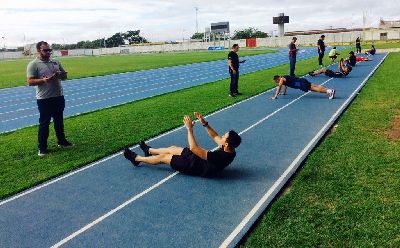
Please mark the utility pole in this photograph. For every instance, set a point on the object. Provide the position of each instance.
(197, 23)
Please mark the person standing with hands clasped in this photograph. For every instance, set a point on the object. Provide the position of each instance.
(233, 66)
(192, 160)
(321, 50)
(46, 75)
(292, 56)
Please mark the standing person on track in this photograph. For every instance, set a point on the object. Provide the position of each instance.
(358, 45)
(46, 74)
(301, 84)
(193, 160)
(321, 50)
(292, 56)
(233, 66)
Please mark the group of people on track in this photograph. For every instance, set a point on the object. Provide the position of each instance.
(46, 74)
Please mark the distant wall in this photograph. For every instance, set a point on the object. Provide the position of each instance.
(305, 40)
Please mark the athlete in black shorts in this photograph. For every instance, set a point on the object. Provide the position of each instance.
(344, 70)
(301, 84)
(193, 160)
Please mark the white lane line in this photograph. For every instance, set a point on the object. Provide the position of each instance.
(108, 214)
(289, 171)
(90, 225)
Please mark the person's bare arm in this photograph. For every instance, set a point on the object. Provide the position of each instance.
(211, 132)
(196, 149)
(231, 66)
(278, 89)
(32, 81)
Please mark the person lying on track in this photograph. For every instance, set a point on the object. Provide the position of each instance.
(192, 160)
(344, 70)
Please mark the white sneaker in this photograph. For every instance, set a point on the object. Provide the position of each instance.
(331, 95)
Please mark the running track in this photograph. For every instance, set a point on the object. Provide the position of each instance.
(110, 203)
(18, 105)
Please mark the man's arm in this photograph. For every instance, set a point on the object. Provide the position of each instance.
(211, 132)
(231, 65)
(199, 151)
(32, 81)
(278, 89)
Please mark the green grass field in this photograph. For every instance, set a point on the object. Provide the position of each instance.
(13, 72)
(346, 195)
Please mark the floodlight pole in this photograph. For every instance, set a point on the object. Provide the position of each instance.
(197, 23)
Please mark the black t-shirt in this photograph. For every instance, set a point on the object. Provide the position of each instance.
(217, 160)
(292, 50)
(234, 58)
(352, 60)
(321, 45)
(290, 80)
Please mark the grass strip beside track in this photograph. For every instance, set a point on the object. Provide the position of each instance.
(13, 73)
(347, 194)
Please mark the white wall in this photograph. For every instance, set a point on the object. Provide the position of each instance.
(305, 40)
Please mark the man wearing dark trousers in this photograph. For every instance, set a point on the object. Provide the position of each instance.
(292, 56)
(233, 65)
(46, 75)
(321, 50)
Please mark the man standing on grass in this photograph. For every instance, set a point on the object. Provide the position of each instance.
(301, 84)
(233, 66)
(292, 56)
(46, 74)
(192, 160)
(321, 50)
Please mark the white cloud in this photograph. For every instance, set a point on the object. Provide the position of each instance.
(70, 21)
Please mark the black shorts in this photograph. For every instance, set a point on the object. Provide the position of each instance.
(333, 74)
(303, 85)
(189, 163)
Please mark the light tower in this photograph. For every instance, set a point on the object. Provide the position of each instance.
(197, 23)
(281, 19)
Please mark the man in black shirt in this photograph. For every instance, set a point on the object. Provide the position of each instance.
(321, 50)
(301, 84)
(292, 55)
(193, 160)
(233, 66)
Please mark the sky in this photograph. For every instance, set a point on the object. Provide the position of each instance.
(69, 21)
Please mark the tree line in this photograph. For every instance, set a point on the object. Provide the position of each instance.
(118, 39)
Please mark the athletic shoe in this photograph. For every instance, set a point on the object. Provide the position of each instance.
(238, 94)
(145, 148)
(232, 95)
(130, 155)
(42, 152)
(311, 73)
(332, 94)
(65, 144)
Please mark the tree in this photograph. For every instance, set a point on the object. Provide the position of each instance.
(248, 33)
(133, 37)
(197, 36)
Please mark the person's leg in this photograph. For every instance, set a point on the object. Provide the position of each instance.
(317, 72)
(44, 122)
(173, 150)
(320, 57)
(236, 85)
(318, 88)
(292, 66)
(157, 159)
(58, 118)
(232, 85)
